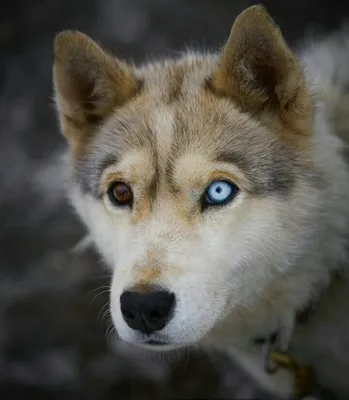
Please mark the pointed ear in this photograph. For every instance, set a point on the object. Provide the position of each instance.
(89, 84)
(258, 70)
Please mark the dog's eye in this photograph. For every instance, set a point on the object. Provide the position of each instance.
(120, 194)
(219, 193)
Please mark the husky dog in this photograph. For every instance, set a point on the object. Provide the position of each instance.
(216, 188)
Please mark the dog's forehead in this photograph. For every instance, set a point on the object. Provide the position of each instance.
(176, 115)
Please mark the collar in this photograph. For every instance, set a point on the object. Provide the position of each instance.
(302, 317)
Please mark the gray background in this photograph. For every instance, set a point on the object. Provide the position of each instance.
(53, 337)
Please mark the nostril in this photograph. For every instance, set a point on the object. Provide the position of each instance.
(128, 314)
(155, 315)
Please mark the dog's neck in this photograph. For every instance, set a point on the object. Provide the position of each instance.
(319, 338)
(321, 342)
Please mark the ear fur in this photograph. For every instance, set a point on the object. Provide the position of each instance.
(89, 84)
(257, 69)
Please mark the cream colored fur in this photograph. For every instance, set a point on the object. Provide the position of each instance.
(244, 270)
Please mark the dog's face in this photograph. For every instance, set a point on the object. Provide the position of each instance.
(194, 178)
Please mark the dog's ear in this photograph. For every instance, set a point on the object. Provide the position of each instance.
(89, 84)
(257, 68)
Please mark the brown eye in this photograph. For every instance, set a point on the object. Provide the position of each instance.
(120, 194)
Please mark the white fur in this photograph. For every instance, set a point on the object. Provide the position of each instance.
(219, 278)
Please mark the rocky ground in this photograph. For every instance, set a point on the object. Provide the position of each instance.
(53, 332)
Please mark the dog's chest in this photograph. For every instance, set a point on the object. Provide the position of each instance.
(321, 342)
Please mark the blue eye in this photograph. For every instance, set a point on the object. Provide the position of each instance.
(219, 193)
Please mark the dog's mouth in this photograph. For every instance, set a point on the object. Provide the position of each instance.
(160, 345)
(156, 343)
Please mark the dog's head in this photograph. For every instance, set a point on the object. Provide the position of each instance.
(194, 178)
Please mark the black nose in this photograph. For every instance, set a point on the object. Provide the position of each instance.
(147, 312)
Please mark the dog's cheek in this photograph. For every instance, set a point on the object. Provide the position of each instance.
(109, 232)
(110, 235)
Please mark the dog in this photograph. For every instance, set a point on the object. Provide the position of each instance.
(216, 187)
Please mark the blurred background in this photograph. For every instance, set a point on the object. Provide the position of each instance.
(54, 341)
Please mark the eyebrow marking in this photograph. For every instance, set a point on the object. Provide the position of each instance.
(88, 172)
(267, 175)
